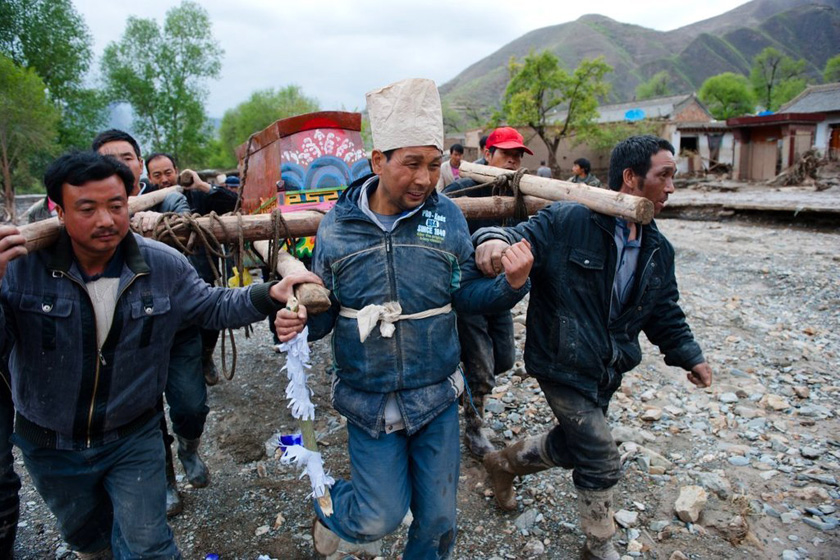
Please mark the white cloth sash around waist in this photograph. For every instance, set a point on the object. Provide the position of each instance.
(386, 315)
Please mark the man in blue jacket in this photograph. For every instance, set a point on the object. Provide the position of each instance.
(395, 252)
(598, 281)
(87, 326)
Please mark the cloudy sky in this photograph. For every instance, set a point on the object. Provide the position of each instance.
(336, 50)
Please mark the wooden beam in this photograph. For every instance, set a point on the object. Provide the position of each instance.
(605, 201)
(44, 233)
(316, 298)
(260, 226)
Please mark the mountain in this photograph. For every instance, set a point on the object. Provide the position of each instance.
(726, 43)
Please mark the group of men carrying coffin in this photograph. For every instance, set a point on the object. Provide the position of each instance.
(89, 323)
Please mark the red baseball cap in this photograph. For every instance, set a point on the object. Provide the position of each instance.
(506, 138)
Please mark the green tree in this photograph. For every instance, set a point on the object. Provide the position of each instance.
(657, 86)
(51, 38)
(832, 69)
(539, 87)
(260, 110)
(27, 125)
(776, 78)
(161, 73)
(727, 95)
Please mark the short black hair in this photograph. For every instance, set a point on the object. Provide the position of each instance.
(483, 141)
(584, 164)
(114, 135)
(542, 162)
(77, 168)
(635, 154)
(156, 155)
(456, 148)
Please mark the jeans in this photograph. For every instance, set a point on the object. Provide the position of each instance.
(112, 495)
(186, 391)
(9, 480)
(487, 349)
(582, 439)
(396, 472)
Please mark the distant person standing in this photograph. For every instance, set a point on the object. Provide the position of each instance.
(450, 170)
(482, 142)
(581, 169)
(543, 170)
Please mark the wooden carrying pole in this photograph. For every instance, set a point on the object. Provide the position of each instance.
(44, 233)
(261, 226)
(315, 298)
(633, 208)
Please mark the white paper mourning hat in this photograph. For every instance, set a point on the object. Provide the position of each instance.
(405, 113)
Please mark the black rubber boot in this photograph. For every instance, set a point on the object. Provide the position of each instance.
(174, 505)
(475, 440)
(196, 470)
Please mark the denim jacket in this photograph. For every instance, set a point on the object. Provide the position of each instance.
(570, 338)
(425, 262)
(80, 395)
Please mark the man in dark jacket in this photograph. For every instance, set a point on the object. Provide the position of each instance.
(487, 345)
(598, 281)
(87, 326)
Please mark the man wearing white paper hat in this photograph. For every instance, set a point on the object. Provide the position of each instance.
(399, 262)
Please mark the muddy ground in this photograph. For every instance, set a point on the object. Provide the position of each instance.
(764, 303)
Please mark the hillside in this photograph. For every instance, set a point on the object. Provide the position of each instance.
(690, 54)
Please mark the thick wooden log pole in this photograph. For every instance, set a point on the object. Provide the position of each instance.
(316, 298)
(300, 224)
(633, 208)
(44, 233)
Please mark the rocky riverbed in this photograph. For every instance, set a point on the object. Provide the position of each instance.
(748, 468)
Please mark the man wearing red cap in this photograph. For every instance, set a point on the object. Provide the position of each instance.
(487, 347)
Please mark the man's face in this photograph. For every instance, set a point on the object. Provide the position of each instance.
(162, 172)
(455, 159)
(504, 159)
(577, 170)
(659, 181)
(406, 180)
(124, 152)
(96, 217)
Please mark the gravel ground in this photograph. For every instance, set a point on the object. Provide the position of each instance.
(761, 444)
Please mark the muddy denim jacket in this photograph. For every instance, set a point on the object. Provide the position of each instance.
(82, 395)
(425, 262)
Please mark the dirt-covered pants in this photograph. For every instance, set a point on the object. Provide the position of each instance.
(582, 439)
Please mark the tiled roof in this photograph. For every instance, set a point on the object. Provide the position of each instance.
(823, 98)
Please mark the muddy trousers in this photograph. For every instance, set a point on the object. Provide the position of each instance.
(487, 349)
(582, 439)
(393, 473)
(185, 390)
(110, 495)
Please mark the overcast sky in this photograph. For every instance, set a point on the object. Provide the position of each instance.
(337, 50)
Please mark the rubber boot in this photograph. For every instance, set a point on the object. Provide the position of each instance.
(208, 367)
(174, 505)
(475, 440)
(196, 470)
(526, 456)
(596, 519)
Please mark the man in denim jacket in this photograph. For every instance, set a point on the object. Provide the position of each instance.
(598, 282)
(393, 251)
(87, 326)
